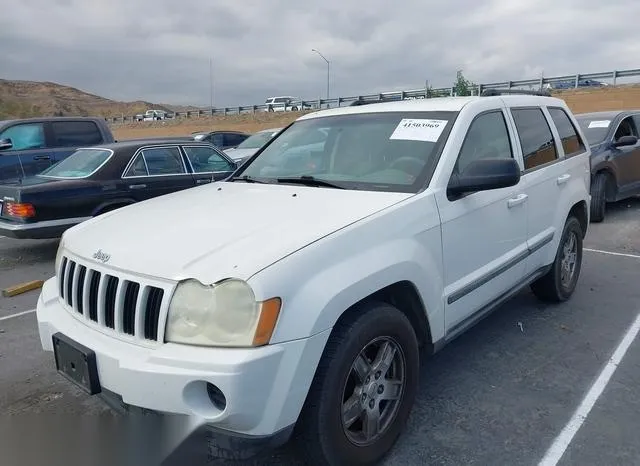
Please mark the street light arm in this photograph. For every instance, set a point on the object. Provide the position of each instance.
(318, 52)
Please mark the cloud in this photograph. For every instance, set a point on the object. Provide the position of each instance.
(159, 50)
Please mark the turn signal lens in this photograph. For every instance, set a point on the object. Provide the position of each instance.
(15, 209)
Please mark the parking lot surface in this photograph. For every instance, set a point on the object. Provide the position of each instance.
(501, 394)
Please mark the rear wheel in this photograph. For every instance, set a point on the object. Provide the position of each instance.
(599, 197)
(560, 282)
(363, 390)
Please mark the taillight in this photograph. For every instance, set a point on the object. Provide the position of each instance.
(20, 210)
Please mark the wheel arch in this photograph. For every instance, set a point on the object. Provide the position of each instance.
(580, 210)
(111, 205)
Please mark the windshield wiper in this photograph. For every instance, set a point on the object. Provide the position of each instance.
(309, 180)
(248, 179)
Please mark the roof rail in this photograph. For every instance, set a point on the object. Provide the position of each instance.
(358, 102)
(496, 92)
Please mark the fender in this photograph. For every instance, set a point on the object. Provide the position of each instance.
(320, 282)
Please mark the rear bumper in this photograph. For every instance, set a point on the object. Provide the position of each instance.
(38, 230)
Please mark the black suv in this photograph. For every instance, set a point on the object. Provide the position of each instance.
(615, 156)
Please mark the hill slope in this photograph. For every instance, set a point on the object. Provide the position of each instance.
(23, 99)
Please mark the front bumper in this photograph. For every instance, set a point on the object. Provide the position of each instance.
(47, 229)
(264, 387)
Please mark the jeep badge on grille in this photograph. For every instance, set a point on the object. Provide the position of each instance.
(101, 256)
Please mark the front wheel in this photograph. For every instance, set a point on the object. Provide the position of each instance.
(560, 282)
(599, 197)
(363, 391)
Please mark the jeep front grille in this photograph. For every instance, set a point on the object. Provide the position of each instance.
(124, 306)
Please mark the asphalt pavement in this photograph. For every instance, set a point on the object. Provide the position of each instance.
(501, 394)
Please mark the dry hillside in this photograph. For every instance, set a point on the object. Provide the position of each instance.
(23, 99)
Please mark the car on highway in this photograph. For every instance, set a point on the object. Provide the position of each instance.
(29, 146)
(100, 179)
(251, 145)
(221, 139)
(615, 157)
(296, 295)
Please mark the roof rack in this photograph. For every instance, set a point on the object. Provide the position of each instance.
(497, 92)
(358, 102)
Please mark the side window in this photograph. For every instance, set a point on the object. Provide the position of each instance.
(572, 144)
(137, 168)
(217, 140)
(206, 160)
(535, 136)
(234, 139)
(163, 161)
(626, 128)
(636, 120)
(74, 133)
(25, 136)
(488, 137)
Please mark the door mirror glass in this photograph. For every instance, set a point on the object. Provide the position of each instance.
(626, 141)
(483, 175)
(6, 144)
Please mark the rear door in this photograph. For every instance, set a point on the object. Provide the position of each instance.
(29, 154)
(66, 136)
(208, 164)
(544, 177)
(155, 171)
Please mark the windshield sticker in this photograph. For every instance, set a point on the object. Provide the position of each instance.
(599, 124)
(414, 129)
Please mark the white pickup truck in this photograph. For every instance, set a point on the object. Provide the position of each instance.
(292, 299)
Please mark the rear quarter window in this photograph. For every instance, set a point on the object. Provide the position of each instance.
(572, 144)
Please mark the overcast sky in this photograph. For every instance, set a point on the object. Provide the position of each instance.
(159, 50)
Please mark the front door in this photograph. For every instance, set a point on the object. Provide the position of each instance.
(484, 234)
(208, 164)
(627, 158)
(29, 154)
(156, 171)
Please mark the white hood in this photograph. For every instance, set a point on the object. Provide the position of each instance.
(221, 230)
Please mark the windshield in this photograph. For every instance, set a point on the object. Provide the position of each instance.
(389, 151)
(81, 164)
(256, 141)
(595, 129)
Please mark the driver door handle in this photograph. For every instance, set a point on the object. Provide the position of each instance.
(41, 157)
(564, 178)
(137, 186)
(519, 199)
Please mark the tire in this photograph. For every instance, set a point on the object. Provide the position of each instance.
(599, 197)
(294, 109)
(270, 109)
(551, 287)
(321, 435)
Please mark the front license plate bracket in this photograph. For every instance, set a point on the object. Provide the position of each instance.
(77, 363)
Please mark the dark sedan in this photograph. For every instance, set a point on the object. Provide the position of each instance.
(221, 139)
(96, 180)
(615, 156)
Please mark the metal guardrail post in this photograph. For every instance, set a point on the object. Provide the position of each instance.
(615, 77)
(577, 81)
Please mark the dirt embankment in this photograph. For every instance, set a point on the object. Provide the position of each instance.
(580, 101)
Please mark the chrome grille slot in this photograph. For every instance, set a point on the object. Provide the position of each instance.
(110, 302)
(129, 312)
(154, 301)
(115, 303)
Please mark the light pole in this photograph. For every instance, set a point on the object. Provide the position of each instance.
(318, 52)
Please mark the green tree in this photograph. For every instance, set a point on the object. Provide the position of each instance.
(462, 86)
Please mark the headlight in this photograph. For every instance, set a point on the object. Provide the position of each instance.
(226, 314)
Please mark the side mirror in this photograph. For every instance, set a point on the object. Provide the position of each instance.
(484, 175)
(626, 141)
(6, 144)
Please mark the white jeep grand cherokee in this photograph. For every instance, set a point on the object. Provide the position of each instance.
(298, 292)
